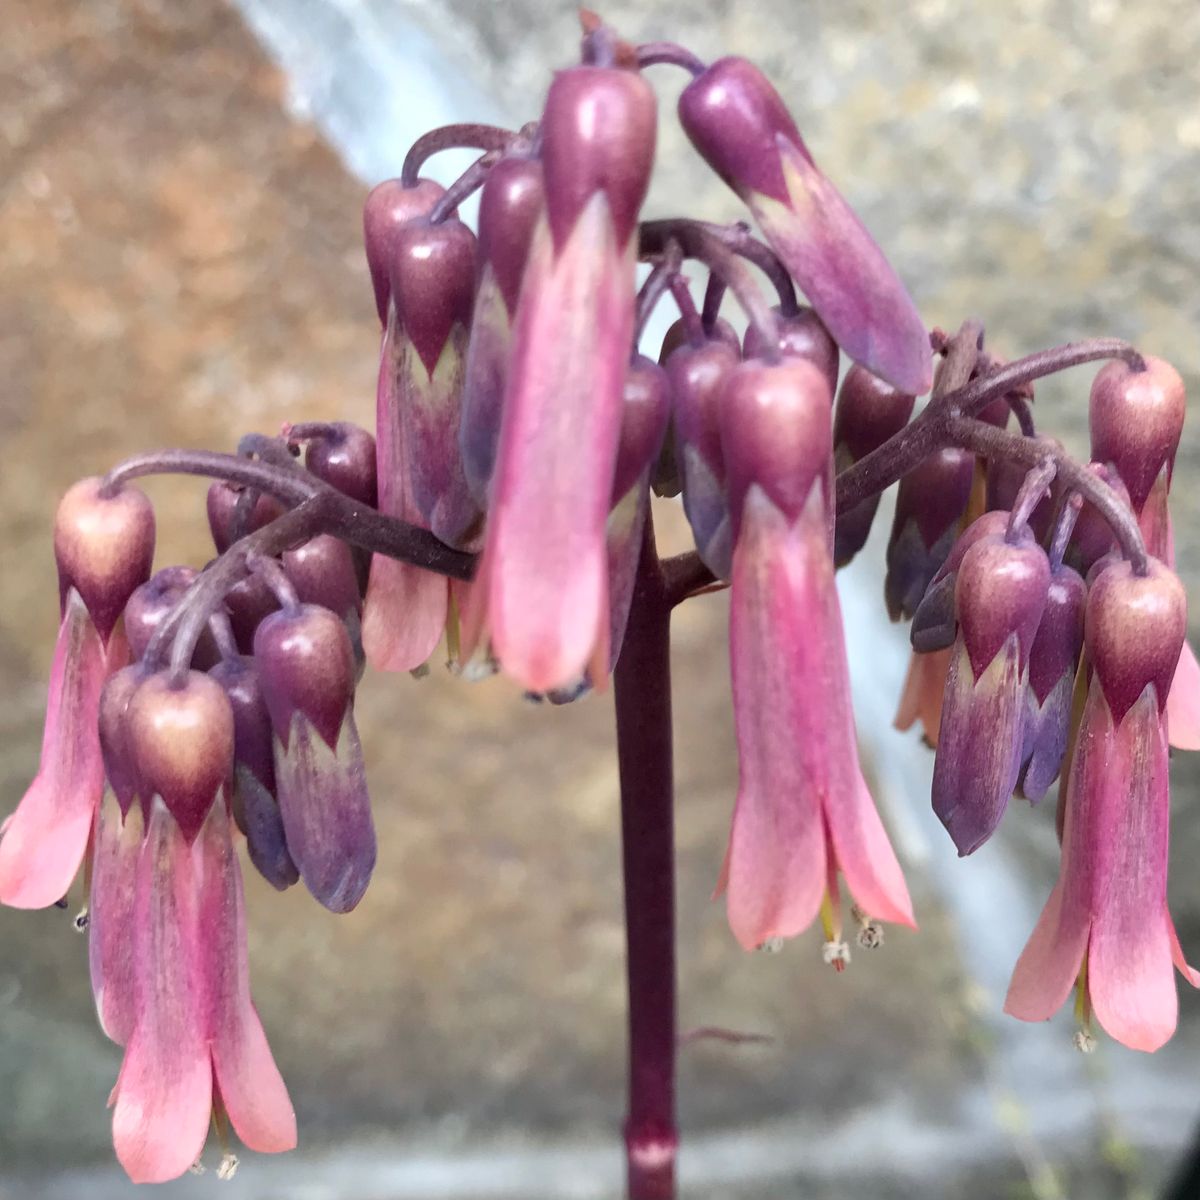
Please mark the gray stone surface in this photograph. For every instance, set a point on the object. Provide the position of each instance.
(180, 262)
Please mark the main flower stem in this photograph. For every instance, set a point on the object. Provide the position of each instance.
(644, 752)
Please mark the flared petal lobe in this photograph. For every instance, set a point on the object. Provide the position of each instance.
(45, 839)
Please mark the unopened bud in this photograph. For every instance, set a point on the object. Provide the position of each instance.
(344, 458)
(801, 335)
(222, 506)
(388, 208)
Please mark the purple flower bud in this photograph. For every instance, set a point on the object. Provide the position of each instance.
(935, 621)
(1000, 596)
(867, 413)
(104, 548)
(181, 740)
(249, 602)
(344, 458)
(433, 288)
(255, 808)
(222, 505)
(697, 375)
(647, 405)
(390, 206)
(149, 606)
(739, 123)
(1134, 631)
(677, 335)
(510, 204)
(1052, 664)
(775, 435)
(120, 767)
(306, 667)
(801, 336)
(1004, 479)
(1136, 418)
(322, 572)
(1092, 537)
(598, 134)
(929, 507)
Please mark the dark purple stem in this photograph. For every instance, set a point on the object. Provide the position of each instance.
(692, 321)
(744, 244)
(644, 752)
(1064, 526)
(653, 54)
(469, 181)
(657, 284)
(288, 484)
(273, 450)
(1024, 414)
(900, 454)
(1033, 487)
(989, 442)
(714, 293)
(451, 137)
(276, 578)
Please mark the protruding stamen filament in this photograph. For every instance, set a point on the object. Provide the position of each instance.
(1085, 1039)
(836, 954)
(870, 932)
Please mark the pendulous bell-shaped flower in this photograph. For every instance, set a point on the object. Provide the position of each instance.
(803, 811)
(800, 335)
(1106, 923)
(1000, 594)
(405, 609)
(104, 546)
(867, 413)
(307, 672)
(510, 203)
(738, 122)
(1136, 420)
(543, 579)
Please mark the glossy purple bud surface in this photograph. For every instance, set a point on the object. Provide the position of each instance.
(1134, 630)
(510, 203)
(801, 336)
(1136, 418)
(646, 407)
(322, 572)
(120, 768)
(775, 433)
(1001, 591)
(251, 720)
(598, 135)
(182, 742)
(222, 504)
(1092, 537)
(104, 548)
(345, 459)
(306, 664)
(248, 603)
(149, 606)
(677, 335)
(389, 207)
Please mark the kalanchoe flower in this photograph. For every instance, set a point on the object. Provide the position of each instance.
(322, 572)
(1092, 537)
(1000, 595)
(433, 288)
(1052, 663)
(255, 808)
(801, 335)
(1106, 921)
(803, 811)
(149, 606)
(104, 546)
(543, 579)
(222, 503)
(930, 505)
(196, 1042)
(867, 413)
(249, 602)
(739, 123)
(1136, 420)
(306, 668)
(510, 204)
(405, 609)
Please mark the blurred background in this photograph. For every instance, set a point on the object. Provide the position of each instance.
(180, 194)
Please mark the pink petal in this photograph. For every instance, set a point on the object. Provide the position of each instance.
(247, 1078)
(924, 689)
(1130, 976)
(117, 849)
(1183, 702)
(545, 550)
(1049, 965)
(163, 1099)
(1177, 957)
(45, 839)
(866, 858)
(405, 608)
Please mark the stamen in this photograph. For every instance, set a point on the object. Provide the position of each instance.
(870, 932)
(831, 917)
(228, 1168)
(836, 955)
(1085, 1038)
(197, 1168)
(82, 920)
(773, 945)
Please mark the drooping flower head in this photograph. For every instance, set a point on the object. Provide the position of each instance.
(1106, 922)
(803, 812)
(737, 120)
(104, 547)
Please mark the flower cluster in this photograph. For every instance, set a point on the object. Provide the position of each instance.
(504, 505)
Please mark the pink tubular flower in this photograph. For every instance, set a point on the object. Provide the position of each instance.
(104, 546)
(178, 994)
(1106, 922)
(544, 570)
(803, 811)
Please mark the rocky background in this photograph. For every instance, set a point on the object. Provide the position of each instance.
(180, 262)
